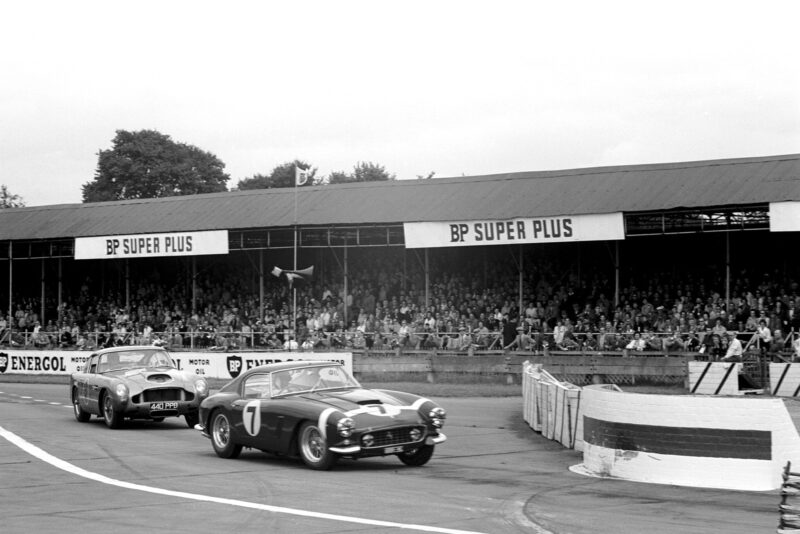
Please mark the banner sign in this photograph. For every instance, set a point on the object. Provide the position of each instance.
(223, 365)
(151, 245)
(602, 227)
(784, 216)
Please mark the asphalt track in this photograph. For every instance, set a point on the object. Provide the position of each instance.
(493, 475)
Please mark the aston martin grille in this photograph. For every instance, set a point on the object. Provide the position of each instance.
(165, 394)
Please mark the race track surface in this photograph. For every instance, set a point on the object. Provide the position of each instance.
(493, 475)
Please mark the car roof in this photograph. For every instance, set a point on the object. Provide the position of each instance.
(126, 348)
(294, 364)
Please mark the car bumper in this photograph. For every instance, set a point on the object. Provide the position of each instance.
(146, 411)
(356, 450)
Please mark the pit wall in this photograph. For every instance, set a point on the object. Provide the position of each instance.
(737, 443)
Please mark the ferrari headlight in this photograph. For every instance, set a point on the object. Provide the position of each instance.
(122, 392)
(437, 415)
(345, 427)
(201, 387)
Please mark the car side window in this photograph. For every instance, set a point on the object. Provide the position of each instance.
(257, 387)
(92, 365)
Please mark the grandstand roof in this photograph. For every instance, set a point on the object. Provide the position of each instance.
(632, 188)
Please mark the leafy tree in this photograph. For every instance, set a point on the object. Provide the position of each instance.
(426, 177)
(281, 176)
(10, 200)
(339, 177)
(362, 172)
(148, 164)
(371, 172)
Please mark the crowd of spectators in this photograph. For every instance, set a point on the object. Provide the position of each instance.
(470, 307)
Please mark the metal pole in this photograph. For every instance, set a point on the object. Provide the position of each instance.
(10, 281)
(194, 284)
(521, 267)
(427, 282)
(728, 273)
(261, 285)
(346, 307)
(60, 289)
(41, 315)
(616, 273)
(127, 285)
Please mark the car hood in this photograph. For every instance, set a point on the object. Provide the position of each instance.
(369, 407)
(152, 377)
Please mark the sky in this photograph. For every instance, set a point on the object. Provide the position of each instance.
(450, 87)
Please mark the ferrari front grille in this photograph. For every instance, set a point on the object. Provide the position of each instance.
(396, 436)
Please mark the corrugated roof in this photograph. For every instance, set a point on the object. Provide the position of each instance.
(633, 188)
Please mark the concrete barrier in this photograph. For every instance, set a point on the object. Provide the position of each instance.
(739, 443)
(784, 379)
(714, 378)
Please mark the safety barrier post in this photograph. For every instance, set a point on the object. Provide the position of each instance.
(789, 513)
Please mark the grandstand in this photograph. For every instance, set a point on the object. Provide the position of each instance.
(578, 259)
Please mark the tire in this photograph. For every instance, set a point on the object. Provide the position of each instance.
(221, 437)
(111, 415)
(192, 419)
(417, 457)
(81, 415)
(313, 448)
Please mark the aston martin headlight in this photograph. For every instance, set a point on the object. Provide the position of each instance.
(345, 427)
(437, 415)
(368, 440)
(122, 392)
(201, 387)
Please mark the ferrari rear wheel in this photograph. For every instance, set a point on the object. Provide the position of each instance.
(313, 448)
(417, 457)
(112, 416)
(80, 414)
(221, 437)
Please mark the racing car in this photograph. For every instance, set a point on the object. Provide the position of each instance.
(316, 410)
(135, 382)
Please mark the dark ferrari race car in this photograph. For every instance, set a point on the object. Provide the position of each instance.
(317, 411)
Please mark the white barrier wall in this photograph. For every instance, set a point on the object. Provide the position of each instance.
(551, 407)
(714, 378)
(224, 365)
(784, 379)
(739, 443)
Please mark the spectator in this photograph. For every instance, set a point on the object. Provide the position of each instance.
(734, 351)
(637, 343)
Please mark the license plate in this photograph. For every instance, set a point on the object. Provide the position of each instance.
(168, 405)
(392, 450)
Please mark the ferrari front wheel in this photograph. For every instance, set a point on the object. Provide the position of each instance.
(418, 456)
(80, 414)
(221, 437)
(313, 447)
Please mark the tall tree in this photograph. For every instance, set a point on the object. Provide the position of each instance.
(370, 172)
(362, 172)
(281, 176)
(149, 164)
(9, 199)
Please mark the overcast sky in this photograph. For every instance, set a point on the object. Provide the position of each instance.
(455, 88)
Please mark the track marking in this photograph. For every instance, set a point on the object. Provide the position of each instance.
(35, 451)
